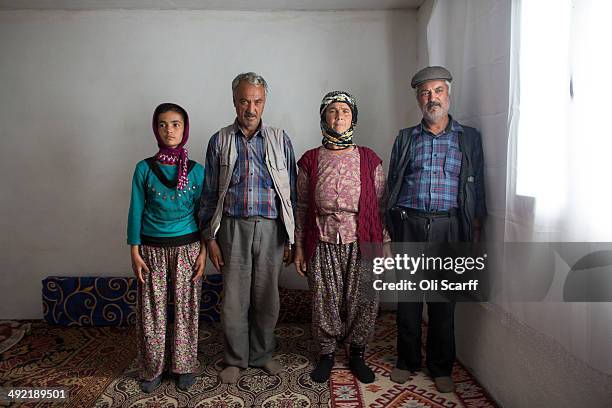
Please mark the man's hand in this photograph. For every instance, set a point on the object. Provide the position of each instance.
(300, 262)
(215, 255)
(288, 255)
(138, 264)
(200, 263)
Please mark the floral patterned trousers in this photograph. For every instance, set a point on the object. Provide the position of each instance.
(171, 270)
(343, 306)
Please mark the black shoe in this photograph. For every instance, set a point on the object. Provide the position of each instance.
(150, 386)
(323, 369)
(185, 381)
(358, 366)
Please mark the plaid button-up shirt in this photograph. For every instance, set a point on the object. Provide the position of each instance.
(432, 180)
(251, 191)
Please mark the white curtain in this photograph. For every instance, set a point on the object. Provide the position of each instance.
(546, 152)
(559, 154)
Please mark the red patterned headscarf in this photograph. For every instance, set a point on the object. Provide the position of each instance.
(178, 154)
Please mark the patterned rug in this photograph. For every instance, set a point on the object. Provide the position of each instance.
(84, 360)
(98, 366)
(11, 333)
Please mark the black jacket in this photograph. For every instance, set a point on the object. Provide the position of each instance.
(471, 193)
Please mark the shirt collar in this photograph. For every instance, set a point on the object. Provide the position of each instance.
(239, 132)
(452, 126)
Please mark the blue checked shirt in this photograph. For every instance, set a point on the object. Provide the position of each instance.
(251, 191)
(432, 180)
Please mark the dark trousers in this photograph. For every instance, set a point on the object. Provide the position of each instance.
(410, 226)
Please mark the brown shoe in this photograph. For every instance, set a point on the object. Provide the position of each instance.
(444, 384)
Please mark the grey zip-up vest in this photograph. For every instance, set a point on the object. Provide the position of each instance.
(276, 164)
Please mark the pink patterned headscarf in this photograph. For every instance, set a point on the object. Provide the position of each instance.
(178, 154)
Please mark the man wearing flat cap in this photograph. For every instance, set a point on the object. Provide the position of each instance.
(436, 194)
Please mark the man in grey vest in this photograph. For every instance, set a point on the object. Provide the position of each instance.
(247, 220)
(436, 194)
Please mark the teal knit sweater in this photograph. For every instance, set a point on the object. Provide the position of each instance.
(157, 210)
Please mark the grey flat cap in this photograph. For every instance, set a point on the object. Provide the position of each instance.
(430, 74)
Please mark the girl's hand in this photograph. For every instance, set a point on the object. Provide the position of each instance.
(199, 264)
(138, 264)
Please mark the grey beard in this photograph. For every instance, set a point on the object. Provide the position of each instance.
(435, 115)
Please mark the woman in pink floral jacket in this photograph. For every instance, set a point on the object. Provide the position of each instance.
(340, 188)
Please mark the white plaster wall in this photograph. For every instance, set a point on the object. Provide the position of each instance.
(78, 89)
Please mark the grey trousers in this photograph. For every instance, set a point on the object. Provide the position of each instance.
(253, 254)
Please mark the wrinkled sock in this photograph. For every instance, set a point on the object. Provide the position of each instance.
(230, 375)
(444, 384)
(400, 376)
(272, 367)
(185, 381)
(149, 386)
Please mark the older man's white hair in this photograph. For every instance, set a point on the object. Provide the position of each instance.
(250, 77)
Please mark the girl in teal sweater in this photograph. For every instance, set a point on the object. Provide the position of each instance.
(166, 251)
